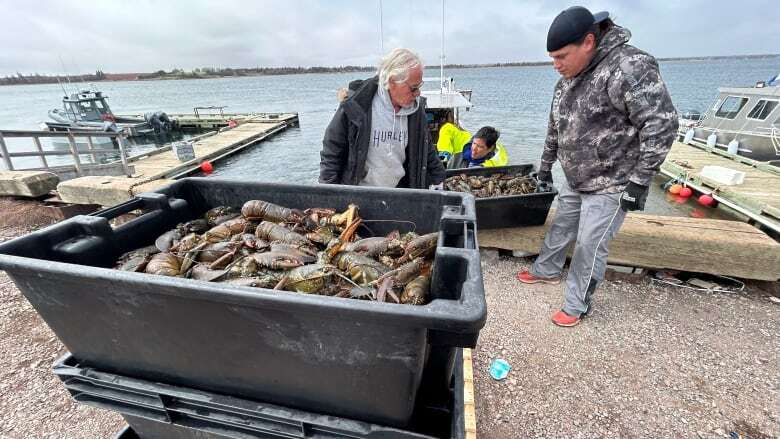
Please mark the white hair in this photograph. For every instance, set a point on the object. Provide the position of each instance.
(396, 65)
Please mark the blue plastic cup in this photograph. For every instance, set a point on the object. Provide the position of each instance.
(499, 369)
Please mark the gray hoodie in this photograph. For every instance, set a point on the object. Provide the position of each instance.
(347, 140)
(387, 143)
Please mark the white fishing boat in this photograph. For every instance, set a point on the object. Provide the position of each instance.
(744, 121)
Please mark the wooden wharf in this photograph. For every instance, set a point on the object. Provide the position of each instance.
(758, 197)
(211, 118)
(213, 146)
(157, 168)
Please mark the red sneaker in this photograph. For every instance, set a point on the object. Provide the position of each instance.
(560, 318)
(526, 277)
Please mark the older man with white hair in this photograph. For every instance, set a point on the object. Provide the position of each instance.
(379, 134)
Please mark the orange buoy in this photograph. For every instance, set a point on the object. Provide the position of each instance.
(706, 200)
(206, 167)
(686, 192)
(675, 189)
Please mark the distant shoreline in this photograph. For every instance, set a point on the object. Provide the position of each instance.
(211, 73)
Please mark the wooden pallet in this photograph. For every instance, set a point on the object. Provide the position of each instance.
(729, 248)
(469, 411)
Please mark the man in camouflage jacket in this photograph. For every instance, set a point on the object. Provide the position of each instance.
(611, 125)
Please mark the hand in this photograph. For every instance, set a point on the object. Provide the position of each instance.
(633, 197)
(545, 176)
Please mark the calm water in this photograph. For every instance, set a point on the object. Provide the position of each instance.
(514, 100)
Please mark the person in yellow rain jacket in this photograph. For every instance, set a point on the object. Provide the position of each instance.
(459, 149)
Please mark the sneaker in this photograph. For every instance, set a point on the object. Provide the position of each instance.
(560, 318)
(526, 277)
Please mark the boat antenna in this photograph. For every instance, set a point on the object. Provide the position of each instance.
(67, 76)
(381, 31)
(77, 68)
(441, 64)
(61, 86)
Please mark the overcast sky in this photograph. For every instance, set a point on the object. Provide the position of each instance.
(142, 36)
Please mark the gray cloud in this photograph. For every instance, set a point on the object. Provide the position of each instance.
(149, 35)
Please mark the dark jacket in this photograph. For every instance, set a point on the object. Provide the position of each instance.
(614, 122)
(346, 142)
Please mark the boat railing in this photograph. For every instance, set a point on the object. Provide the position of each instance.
(73, 149)
(775, 135)
(211, 108)
(756, 131)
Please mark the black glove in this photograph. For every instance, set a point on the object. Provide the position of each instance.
(545, 176)
(633, 197)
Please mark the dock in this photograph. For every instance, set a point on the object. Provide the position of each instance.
(758, 197)
(211, 118)
(162, 163)
(157, 168)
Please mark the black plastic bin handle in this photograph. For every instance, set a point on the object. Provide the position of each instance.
(120, 209)
(149, 201)
(161, 213)
(467, 314)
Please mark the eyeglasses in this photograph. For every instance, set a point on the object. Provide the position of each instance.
(416, 88)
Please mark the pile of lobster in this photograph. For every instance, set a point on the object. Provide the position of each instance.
(494, 185)
(314, 251)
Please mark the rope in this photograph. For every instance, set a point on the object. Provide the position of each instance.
(681, 284)
(413, 224)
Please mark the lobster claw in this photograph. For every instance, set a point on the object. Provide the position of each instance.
(349, 231)
(335, 246)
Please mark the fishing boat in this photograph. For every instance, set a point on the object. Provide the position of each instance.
(88, 110)
(444, 104)
(744, 121)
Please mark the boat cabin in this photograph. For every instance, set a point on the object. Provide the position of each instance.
(745, 109)
(86, 106)
(444, 104)
(743, 121)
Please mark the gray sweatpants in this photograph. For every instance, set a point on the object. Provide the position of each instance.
(593, 220)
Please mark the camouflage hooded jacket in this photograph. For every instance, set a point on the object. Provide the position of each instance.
(612, 123)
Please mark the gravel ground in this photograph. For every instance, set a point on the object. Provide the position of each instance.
(34, 402)
(652, 361)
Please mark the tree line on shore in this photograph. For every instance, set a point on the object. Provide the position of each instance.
(215, 72)
(36, 78)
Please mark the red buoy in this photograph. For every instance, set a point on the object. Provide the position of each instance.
(686, 192)
(675, 189)
(206, 167)
(706, 200)
(697, 213)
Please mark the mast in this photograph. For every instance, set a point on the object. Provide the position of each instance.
(381, 31)
(441, 63)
